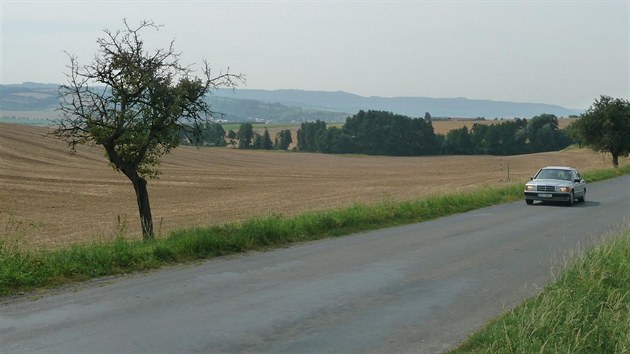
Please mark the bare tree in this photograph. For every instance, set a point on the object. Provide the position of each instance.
(134, 103)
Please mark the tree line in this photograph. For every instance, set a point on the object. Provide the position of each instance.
(213, 134)
(386, 133)
(604, 127)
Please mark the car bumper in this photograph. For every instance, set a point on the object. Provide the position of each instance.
(548, 196)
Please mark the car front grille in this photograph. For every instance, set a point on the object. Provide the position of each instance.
(545, 188)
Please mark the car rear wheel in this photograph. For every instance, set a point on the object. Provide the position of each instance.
(582, 199)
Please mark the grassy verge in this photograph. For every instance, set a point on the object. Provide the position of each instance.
(23, 270)
(587, 310)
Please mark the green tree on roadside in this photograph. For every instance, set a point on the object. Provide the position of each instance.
(134, 102)
(605, 127)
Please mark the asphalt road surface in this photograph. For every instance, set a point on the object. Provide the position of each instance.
(416, 288)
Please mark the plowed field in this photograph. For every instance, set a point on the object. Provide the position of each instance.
(49, 198)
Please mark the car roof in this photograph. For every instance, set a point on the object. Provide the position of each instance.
(558, 168)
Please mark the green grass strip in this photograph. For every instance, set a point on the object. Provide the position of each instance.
(587, 310)
(22, 270)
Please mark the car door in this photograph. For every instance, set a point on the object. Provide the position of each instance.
(580, 186)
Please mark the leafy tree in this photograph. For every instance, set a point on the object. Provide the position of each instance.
(493, 140)
(307, 134)
(245, 135)
(605, 127)
(231, 135)
(257, 142)
(508, 142)
(478, 138)
(212, 134)
(283, 139)
(518, 136)
(440, 143)
(334, 140)
(134, 102)
(386, 133)
(544, 134)
(459, 142)
(504, 138)
(266, 143)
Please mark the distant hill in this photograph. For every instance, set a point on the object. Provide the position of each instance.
(28, 96)
(243, 110)
(25, 103)
(409, 106)
(282, 106)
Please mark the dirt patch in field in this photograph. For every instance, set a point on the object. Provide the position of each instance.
(444, 126)
(49, 198)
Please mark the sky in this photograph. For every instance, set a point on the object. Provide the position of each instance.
(565, 52)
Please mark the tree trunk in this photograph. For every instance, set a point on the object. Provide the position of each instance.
(615, 160)
(142, 196)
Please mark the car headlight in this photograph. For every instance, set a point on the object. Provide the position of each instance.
(565, 189)
(529, 187)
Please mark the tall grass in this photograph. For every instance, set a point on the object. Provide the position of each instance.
(586, 310)
(22, 270)
(600, 175)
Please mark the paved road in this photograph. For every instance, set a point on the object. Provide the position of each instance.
(416, 288)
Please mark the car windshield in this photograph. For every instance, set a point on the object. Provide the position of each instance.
(549, 173)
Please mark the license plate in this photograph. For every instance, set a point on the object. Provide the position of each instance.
(545, 195)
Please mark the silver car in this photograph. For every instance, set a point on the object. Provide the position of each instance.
(556, 184)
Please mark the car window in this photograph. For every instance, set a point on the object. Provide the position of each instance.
(564, 175)
(545, 174)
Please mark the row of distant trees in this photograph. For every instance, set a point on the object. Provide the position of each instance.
(386, 133)
(519, 136)
(213, 134)
(249, 139)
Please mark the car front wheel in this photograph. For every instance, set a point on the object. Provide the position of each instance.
(571, 199)
(529, 201)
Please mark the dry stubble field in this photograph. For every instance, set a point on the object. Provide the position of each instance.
(49, 198)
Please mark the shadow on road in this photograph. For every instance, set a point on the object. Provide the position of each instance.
(586, 204)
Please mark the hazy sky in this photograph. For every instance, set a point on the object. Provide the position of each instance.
(558, 52)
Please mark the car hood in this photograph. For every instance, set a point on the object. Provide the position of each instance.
(550, 182)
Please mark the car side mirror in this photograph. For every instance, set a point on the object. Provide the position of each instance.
(577, 180)
(531, 178)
